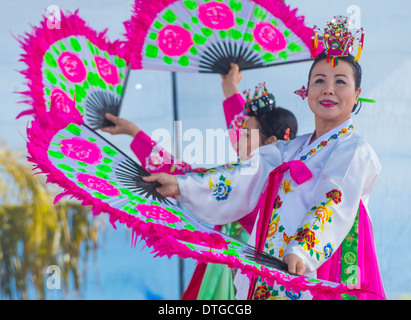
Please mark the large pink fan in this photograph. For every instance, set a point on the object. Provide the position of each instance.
(206, 36)
(74, 64)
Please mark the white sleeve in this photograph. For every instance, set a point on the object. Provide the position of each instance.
(228, 193)
(346, 177)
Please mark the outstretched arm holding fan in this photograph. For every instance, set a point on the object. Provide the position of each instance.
(152, 157)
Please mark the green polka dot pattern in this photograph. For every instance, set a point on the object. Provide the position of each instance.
(77, 72)
(205, 36)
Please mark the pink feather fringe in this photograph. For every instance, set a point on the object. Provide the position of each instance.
(144, 13)
(36, 44)
(39, 135)
(168, 246)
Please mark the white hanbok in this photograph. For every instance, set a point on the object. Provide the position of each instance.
(310, 219)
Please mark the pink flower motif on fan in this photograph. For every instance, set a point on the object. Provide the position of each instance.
(157, 213)
(174, 40)
(216, 15)
(107, 71)
(72, 67)
(269, 37)
(98, 184)
(61, 101)
(82, 150)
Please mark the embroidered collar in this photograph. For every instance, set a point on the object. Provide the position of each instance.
(307, 149)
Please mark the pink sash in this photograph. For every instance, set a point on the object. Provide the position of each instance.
(299, 173)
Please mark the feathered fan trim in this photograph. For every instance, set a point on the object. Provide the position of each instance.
(168, 246)
(145, 12)
(36, 43)
(40, 134)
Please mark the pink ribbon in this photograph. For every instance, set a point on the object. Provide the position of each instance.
(300, 173)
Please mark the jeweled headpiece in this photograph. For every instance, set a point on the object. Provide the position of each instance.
(337, 40)
(261, 102)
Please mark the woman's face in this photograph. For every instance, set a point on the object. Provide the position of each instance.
(331, 93)
(250, 138)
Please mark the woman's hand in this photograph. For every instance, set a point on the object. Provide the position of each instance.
(121, 126)
(169, 185)
(231, 80)
(295, 264)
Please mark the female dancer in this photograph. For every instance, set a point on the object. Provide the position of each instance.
(317, 187)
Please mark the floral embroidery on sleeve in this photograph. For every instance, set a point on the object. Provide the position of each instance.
(328, 250)
(286, 186)
(277, 203)
(204, 172)
(334, 195)
(274, 227)
(231, 165)
(222, 188)
(306, 236)
(286, 238)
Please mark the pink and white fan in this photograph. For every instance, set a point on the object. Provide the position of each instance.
(206, 36)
